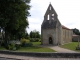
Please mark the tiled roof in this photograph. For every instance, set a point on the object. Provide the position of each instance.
(65, 27)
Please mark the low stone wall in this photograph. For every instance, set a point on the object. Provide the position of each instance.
(43, 54)
(75, 38)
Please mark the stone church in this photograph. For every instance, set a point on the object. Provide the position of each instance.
(52, 31)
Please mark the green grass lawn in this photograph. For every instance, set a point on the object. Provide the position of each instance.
(35, 49)
(71, 46)
(2, 48)
(32, 49)
(36, 43)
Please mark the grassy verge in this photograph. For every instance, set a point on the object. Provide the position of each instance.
(71, 46)
(35, 49)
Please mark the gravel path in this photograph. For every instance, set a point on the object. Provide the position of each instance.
(59, 49)
(62, 50)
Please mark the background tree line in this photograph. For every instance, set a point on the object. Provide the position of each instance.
(33, 36)
(76, 31)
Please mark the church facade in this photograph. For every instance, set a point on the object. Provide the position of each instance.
(52, 31)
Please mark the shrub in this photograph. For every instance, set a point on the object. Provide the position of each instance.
(24, 40)
(32, 40)
(17, 46)
(13, 46)
(25, 43)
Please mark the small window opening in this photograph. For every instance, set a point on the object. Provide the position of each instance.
(48, 17)
(50, 8)
(52, 16)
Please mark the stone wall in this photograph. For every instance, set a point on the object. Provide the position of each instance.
(58, 35)
(75, 38)
(43, 54)
(66, 36)
(46, 33)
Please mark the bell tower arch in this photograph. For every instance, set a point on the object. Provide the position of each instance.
(50, 13)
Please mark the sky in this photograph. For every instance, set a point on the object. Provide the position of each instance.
(68, 13)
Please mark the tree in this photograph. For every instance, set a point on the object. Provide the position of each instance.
(34, 34)
(31, 35)
(13, 18)
(76, 31)
(26, 36)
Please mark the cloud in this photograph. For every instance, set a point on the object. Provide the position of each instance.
(34, 20)
(34, 23)
(68, 13)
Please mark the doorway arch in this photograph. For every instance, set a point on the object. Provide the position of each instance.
(50, 40)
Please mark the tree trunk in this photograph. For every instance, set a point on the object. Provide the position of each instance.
(6, 38)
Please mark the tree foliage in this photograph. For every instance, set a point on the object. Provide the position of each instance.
(13, 17)
(34, 34)
(76, 31)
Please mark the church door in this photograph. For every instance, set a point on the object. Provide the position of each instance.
(50, 40)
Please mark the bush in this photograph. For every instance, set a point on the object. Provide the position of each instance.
(13, 46)
(17, 46)
(10, 46)
(32, 40)
(25, 43)
(24, 40)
